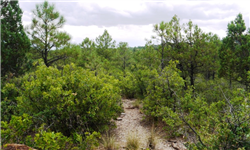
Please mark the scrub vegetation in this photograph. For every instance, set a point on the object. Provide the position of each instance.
(59, 95)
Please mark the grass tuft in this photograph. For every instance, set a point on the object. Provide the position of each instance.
(136, 104)
(108, 142)
(133, 142)
(152, 139)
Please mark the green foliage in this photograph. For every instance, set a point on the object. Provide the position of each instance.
(198, 51)
(162, 90)
(51, 140)
(210, 90)
(16, 130)
(234, 52)
(234, 132)
(69, 100)
(147, 57)
(91, 141)
(8, 108)
(128, 85)
(220, 125)
(63, 106)
(9, 92)
(20, 130)
(195, 50)
(123, 57)
(89, 57)
(72, 53)
(105, 45)
(162, 30)
(172, 121)
(143, 75)
(14, 42)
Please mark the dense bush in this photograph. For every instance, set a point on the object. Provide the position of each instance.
(134, 83)
(69, 100)
(21, 129)
(16, 130)
(128, 85)
(162, 90)
(220, 121)
(143, 75)
(9, 92)
(219, 125)
(63, 106)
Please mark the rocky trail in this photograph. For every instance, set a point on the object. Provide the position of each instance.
(131, 122)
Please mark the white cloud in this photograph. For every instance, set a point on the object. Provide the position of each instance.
(131, 21)
(132, 34)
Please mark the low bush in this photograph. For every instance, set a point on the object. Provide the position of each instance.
(73, 99)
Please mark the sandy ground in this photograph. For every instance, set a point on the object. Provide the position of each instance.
(132, 123)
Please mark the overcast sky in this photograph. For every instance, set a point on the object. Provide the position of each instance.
(132, 21)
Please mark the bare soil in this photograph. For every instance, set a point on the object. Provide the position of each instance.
(132, 122)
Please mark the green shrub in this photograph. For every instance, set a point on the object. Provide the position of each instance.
(87, 142)
(51, 140)
(70, 100)
(162, 90)
(128, 85)
(142, 76)
(16, 130)
(21, 130)
(9, 92)
(219, 125)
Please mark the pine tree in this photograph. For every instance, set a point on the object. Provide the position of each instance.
(123, 57)
(105, 45)
(14, 42)
(44, 32)
(235, 52)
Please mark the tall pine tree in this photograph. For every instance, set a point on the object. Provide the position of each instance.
(235, 52)
(45, 34)
(105, 45)
(14, 42)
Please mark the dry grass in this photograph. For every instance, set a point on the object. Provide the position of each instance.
(108, 142)
(136, 104)
(152, 139)
(133, 142)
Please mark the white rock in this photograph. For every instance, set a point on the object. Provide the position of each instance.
(119, 119)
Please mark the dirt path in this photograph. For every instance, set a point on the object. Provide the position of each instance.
(132, 123)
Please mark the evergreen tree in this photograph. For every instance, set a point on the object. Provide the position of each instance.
(89, 57)
(162, 36)
(105, 44)
(14, 42)
(44, 32)
(198, 52)
(123, 57)
(195, 50)
(235, 52)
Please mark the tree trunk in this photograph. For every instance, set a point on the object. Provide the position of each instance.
(46, 58)
(192, 76)
(162, 54)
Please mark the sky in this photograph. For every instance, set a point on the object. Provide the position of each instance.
(132, 21)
